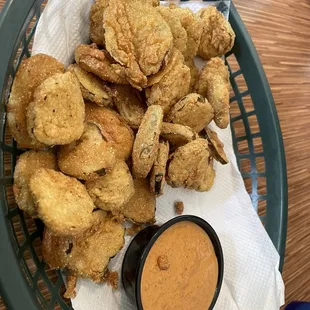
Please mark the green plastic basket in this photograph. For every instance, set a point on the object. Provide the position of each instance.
(26, 282)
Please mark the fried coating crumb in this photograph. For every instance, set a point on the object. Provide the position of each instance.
(96, 21)
(129, 104)
(112, 279)
(157, 178)
(91, 253)
(163, 262)
(111, 191)
(56, 114)
(31, 73)
(92, 88)
(191, 166)
(193, 111)
(213, 83)
(141, 207)
(71, 285)
(27, 164)
(179, 207)
(217, 37)
(113, 128)
(147, 141)
(134, 229)
(173, 85)
(98, 62)
(176, 134)
(137, 37)
(153, 2)
(193, 26)
(88, 158)
(62, 202)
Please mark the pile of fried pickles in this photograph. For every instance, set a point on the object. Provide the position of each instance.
(106, 133)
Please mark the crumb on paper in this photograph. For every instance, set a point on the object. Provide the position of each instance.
(71, 284)
(163, 262)
(134, 229)
(179, 207)
(112, 279)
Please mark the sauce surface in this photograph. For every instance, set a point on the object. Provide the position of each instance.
(180, 271)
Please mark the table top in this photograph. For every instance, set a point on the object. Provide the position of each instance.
(280, 31)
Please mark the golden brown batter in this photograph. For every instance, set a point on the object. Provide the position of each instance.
(190, 280)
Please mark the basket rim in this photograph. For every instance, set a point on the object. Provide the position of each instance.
(277, 197)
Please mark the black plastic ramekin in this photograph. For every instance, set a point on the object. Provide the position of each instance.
(140, 246)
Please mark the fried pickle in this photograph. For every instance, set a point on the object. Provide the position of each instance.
(191, 166)
(141, 207)
(56, 114)
(98, 62)
(62, 202)
(129, 104)
(86, 255)
(26, 165)
(89, 157)
(147, 141)
(30, 74)
(93, 89)
(213, 83)
(157, 178)
(137, 37)
(193, 26)
(176, 134)
(91, 253)
(111, 191)
(216, 146)
(217, 37)
(163, 262)
(193, 111)
(113, 127)
(96, 21)
(173, 85)
(178, 32)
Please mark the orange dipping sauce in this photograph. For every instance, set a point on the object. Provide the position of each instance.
(180, 271)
